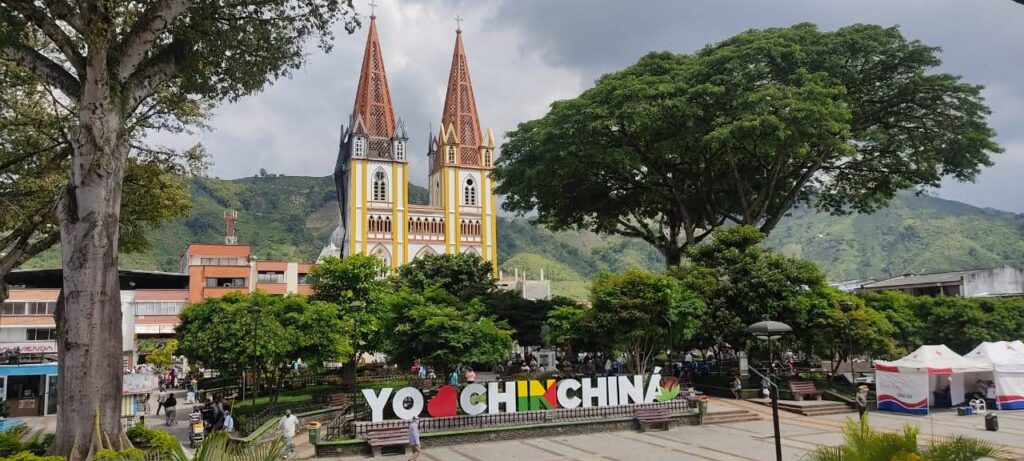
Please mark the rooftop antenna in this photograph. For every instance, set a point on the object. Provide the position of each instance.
(230, 216)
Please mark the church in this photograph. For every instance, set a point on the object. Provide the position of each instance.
(372, 173)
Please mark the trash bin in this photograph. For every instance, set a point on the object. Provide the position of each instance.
(991, 422)
(314, 432)
(702, 404)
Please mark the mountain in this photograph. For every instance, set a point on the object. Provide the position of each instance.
(291, 217)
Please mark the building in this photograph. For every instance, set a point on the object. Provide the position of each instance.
(215, 270)
(974, 283)
(372, 173)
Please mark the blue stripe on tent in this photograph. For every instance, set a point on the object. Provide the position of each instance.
(889, 405)
(28, 369)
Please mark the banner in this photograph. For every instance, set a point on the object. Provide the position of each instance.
(512, 396)
(1010, 391)
(902, 392)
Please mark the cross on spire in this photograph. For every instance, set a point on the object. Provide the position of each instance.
(458, 21)
(373, 6)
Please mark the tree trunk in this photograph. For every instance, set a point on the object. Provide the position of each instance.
(348, 371)
(89, 310)
(673, 255)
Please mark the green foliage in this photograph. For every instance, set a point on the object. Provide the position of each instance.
(29, 456)
(466, 276)
(222, 333)
(144, 437)
(566, 328)
(527, 317)
(960, 323)
(443, 330)
(833, 330)
(356, 279)
(743, 283)
(13, 444)
(163, 357)
(789, 115)
(639, 313)
(217, 447)
(861, 443)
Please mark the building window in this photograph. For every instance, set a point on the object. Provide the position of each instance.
(487, 157)
(28, 307)
(220, 261)
(451, 154)
(270, 277)
(360, 147)
(224, 282)
(469, 193)
(380, 187)
(158, 307)
(303, 278)
(400, 150)
(41, 334)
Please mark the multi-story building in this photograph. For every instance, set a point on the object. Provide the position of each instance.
(372, 173)
(215, 270)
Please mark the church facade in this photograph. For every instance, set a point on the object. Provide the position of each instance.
(372, 173)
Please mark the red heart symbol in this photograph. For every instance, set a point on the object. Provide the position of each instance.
(443, 404)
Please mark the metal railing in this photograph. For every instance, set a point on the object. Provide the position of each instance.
(522, 418)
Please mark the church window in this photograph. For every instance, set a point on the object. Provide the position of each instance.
(469, 193)
(487, 157)
(451, 154)
(360, 147)
(400, 150)
(380, 187)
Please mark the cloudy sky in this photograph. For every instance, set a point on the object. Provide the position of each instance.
(523, 54)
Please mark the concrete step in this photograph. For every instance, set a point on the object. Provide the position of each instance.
(817, 408)
(730, 416)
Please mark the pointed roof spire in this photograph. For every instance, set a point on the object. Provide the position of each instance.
(459, 113)
(373, 98)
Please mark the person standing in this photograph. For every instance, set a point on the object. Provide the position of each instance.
(453, 379)
(862, 401)
(288, 425)
(161, 397)
(414, 437)
(170, 411)
(737, 385)
(470, 376)
(229, 422)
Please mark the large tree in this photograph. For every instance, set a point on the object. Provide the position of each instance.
(640, 313)
(465, 276)
(743, 130)
(743, 283)
(35, 153)
(114, 63)
(354, 284)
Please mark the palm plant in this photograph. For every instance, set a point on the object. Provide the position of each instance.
(217, 447)
(861, 443)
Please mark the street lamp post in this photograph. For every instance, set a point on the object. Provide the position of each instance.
(847, 308)
(255, 311)
(771, 330)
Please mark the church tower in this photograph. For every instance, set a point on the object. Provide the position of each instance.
(372, 169)
(461, 159)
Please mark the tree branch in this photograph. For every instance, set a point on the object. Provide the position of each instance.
(44, 68)
(150, 25)
(64, 11)
(52, 30)
(155, 72)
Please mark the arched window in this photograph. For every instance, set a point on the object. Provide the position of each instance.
(360, 147)
(469, 193)
(487, 157)
(451, 154)
(380, 186)
(387, 224)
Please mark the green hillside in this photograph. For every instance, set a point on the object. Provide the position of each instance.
(290, 218)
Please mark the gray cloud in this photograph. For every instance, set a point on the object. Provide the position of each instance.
(523, 54)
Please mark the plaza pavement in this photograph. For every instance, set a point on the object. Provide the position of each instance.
(745, 441)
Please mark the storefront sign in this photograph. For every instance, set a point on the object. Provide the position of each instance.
(512, 396)
(42, 347)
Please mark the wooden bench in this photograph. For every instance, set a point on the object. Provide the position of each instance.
(652, 417)
(802, 388)
(378, 439)
(337, 400)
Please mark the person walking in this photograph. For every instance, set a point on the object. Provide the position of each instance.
(170, 411)
(289, 425)
(414, 437)
(862, 401)
(470, 376)
(161, 397)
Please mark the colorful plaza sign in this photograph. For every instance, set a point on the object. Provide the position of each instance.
(512, 396)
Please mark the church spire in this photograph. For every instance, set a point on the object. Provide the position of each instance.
(372, 114)
(460, 125)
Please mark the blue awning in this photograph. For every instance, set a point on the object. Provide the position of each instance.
(28, 369)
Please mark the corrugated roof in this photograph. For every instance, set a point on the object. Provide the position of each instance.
(921, 279)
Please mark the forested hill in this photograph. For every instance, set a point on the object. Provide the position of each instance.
(290, 217)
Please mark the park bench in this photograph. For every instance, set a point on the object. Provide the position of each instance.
(337, 400)
(653, 417)
(802, 388)
(378, 439)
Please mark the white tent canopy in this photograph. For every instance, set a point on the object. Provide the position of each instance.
(907, 385)
(1007, 360)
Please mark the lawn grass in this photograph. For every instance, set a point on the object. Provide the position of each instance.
(295, 396)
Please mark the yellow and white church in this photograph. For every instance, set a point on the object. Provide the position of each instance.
(372, 174)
